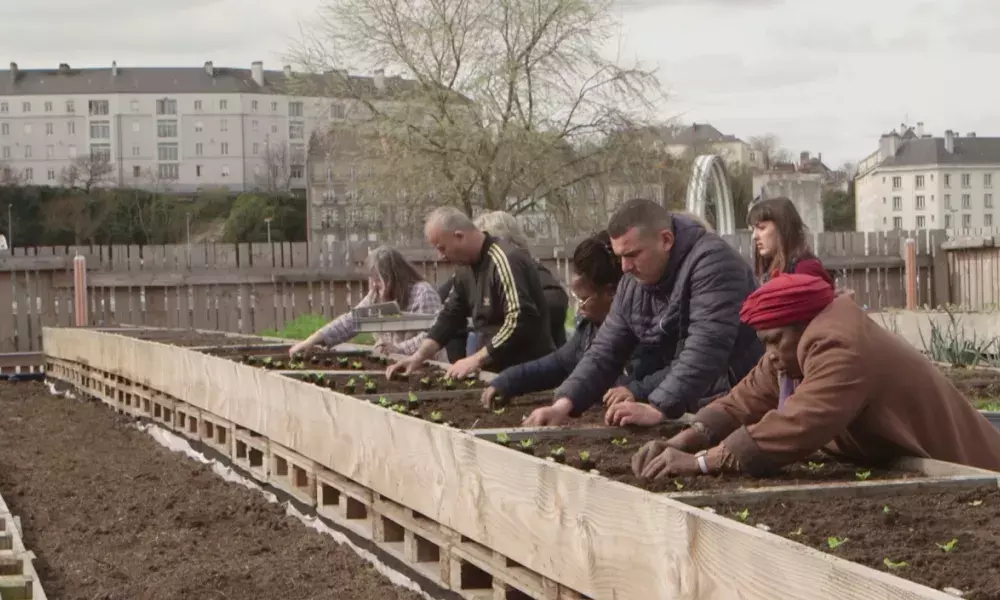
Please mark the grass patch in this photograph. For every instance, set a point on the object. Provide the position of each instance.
(305, 325)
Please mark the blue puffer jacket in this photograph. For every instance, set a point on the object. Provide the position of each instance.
(549, 371)
(691, 317)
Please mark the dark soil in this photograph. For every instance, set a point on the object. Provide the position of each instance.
(112, 515)
(188, 337)
(612, 457)
(980, 386)
(909, 531)
(435, 381)
(328, 361)
(468, 413)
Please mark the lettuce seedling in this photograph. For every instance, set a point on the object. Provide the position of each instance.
(863, 475)
(620, 442)
(503, 438)
(948, 547)
(499, 411)
(371, 387)
(894, 565)
(795, 533)
(558, 454)
(384, 402)
(743, 515)
(835, 542)
(398, 408)
(814, 466)
(976, 503)
(678, 485)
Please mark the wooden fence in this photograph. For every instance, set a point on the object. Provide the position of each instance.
(251, 288)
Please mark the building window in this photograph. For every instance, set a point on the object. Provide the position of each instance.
(897, 201)
(134, 105)
(337, 112)
(988, 180)
(897, 222)
(48, 107)
(253, 105)
(197, 170)
(223, 104)
(135, 151)
(253, 125)
(4, 128)
(100, 130)
(295, 109)
(100, 151)
(135, 126)
(71, 128)
(966, 180)
(947, 221)
(987, 200)
(26, 107)
(50, 151)
(920, 204)
(27, 151)
(296, 171)
(98, 107)
(225, 170)
(168, 171)
(166, 106)
(296, 131)
(51, 175)
(199, 149)
(256, 148)
(988, 220)
(947, 180)
(224, 148)
(274, 106)
(198, 126)
(166, 151)
(4, 107)
(29, 174)
(223, 125)
(166, 129)
(947, 201)
(918, 182)
(197, 104)
(6, 152)
(966, 201)
(966, 221)
(274, 128)
(70, 106)
(136, 171)
(49, 129)
(921, 221)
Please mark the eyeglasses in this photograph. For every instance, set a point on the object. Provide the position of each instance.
(581, 302)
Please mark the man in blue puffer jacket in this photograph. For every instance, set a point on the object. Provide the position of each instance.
(681, 293)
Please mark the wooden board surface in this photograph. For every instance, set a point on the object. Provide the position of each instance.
(598, 537)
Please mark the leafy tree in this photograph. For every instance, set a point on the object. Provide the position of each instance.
(247, 220)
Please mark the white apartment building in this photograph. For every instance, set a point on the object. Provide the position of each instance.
(917, 181)
(177, 129)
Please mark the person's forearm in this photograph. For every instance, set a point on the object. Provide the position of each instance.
(427, 349)
(692, 439)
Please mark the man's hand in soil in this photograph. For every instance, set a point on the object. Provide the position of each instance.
(656, 460)
(488, 396)
(618, 394)
(633, 413)
(299, 348)
(386, 348)
(556, 414)
(408, 365)
(463, 368)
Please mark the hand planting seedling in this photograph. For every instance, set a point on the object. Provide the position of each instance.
(863, 475)
(743, 515)
(558, 455)
(948, 547)
(585, 463)
(437, 417)
(835, 542)
(894, 565)
(527, 446)
(814, 466)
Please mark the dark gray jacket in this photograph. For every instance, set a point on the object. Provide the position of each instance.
(692, 315)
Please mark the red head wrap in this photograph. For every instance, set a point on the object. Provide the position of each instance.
(786, 299)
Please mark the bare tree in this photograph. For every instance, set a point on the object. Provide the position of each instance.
(88, 171)
(276, 176)
(11, 176)
(501, 103)
(770, 149)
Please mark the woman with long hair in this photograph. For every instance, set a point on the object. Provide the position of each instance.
(779, 241)
(596, 272)
(390, 277)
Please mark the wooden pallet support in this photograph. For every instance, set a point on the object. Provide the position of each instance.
(164, 410)
(292, 473)
(504, 524)
(216, 433)
(250, 453)
(187, 421)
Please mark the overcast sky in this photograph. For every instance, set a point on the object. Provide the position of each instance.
(824, 76)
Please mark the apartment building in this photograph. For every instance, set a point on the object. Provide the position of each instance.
(917, 181)
(176, 129)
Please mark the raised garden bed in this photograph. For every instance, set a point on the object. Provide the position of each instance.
(340, 361)
(188, 338)
(113, 515)
(468, 413)
(980, 386)
(611, 456)
(941, 539)
(368, 384)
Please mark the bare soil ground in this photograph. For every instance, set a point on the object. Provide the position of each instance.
(112, 515)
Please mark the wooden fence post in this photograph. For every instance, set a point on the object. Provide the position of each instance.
(940, 272)
(80, 290)
(910, 271)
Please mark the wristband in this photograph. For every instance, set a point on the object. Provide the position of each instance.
(702, 461)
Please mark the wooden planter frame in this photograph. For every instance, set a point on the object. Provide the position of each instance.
(485, 521)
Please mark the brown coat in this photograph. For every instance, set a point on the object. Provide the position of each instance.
(866, 394)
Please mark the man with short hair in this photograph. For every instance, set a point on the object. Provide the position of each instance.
(831, 379)
(681, 295)
(497, 286)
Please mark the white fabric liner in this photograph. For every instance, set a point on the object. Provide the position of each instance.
(176, 443)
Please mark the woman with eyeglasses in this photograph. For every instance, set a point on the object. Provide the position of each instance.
(596, 271)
